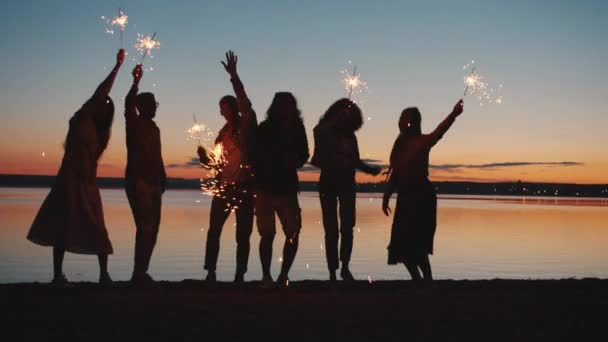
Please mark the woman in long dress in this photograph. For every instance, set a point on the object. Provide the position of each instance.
(415, 219)
(71, 217)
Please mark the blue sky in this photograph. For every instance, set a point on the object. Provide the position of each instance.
(549, 55)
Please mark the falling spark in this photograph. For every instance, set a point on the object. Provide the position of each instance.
(369, 279)
(43, 154)
(476, 85)
(280, 259)
(352, 81)
(145, 44)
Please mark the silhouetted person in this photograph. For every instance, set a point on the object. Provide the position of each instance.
(145, 174)
(71, 217)
(337, 155)
(415, 217)
(282, 148)
(236, 176)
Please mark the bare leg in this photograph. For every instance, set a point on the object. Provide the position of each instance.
(425, 267)
(58, 255)
(290, 248)
(104, 276)
(412, 268)
(266, 253)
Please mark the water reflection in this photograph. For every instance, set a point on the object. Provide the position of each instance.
(477, 238)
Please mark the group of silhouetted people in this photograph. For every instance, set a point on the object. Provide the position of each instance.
(258, 177)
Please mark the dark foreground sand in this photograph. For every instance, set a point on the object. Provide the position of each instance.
(493, 310)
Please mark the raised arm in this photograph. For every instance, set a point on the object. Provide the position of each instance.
(130, 100)
(447, 122)
(103, 90)
(245, 107)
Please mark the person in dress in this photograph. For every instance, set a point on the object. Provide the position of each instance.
(237, 138)
(415, 218)
(71, 217)
(336, 153)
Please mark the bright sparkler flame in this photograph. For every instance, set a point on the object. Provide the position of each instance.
(352, 81)
(146, 43)
(121, 20)
(476, 85)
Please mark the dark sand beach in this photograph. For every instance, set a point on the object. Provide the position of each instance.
(491, 310)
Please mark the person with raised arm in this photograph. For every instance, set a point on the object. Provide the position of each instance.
(336, 153)
(235, 179)
(71, 217)
(282, 148)
(145, 174)
(415, 219)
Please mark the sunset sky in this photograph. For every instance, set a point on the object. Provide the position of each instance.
(550, 56)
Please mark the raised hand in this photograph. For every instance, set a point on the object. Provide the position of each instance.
(137, 73)
(120, 57)
(230, 64)
(202, 154)
(458, 108)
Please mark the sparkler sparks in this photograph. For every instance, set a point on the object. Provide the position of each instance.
(120, 21)
(352, 81)
(476, 85)
(201, 133)
(145, 44)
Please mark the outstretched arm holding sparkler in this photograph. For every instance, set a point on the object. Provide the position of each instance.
(103, 90)
(130, 100)
(447, 122)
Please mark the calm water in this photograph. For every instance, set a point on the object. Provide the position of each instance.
(477, 238)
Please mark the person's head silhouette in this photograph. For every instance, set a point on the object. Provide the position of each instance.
(284, 107)
(409, 121)
(346, 115)
(147, 105)
(229, 109)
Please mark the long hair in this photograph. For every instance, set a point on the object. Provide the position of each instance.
(284, 106)
(104, 128)
(410, 122)
(352, 118)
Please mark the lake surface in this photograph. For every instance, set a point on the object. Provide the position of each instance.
(478, 237)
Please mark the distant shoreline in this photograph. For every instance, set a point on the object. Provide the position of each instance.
(443, 188)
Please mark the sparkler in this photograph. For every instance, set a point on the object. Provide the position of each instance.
(145, 44)
(353, 82)
(476, 85)
(120, 21)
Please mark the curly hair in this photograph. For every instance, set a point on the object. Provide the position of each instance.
(353, 117)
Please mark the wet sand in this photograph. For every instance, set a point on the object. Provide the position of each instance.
(491, 310)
